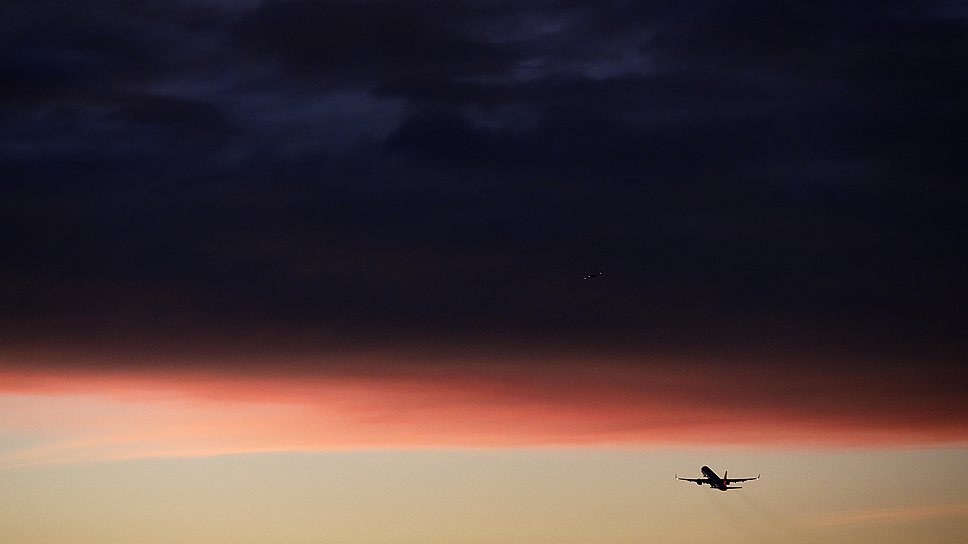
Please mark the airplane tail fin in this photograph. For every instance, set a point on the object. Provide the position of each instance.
(726, 477)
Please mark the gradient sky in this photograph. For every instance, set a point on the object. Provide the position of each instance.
(303, 271)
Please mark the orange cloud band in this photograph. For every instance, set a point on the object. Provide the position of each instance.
(83, 413)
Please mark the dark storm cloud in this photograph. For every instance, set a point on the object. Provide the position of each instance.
(742, 171)
(370, 41)
(178, 114)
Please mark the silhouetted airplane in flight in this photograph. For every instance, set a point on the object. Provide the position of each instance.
(716, 482)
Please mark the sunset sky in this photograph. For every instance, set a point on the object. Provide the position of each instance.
(312, 271)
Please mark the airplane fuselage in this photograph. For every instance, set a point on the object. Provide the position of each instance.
(714, 480)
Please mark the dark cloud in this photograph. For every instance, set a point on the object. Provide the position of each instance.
(745, 173)
(182, 115)
(371, 41)
(66, 60)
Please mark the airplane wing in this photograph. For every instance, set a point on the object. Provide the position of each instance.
(733, 480)
(696, 480)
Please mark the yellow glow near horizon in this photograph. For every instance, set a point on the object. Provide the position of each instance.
(502, 495)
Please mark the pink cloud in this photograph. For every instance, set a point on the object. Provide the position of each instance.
(84, 413)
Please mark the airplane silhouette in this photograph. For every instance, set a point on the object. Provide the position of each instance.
(715, 482)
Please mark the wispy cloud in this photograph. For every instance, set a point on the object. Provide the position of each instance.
(900, 514)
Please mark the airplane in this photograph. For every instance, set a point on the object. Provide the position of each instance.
(591, 276)
(715, 481)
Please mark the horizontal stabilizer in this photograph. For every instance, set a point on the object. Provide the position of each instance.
(731, 487)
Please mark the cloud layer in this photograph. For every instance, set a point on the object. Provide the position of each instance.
(444, 167)
(264, 190)
(362, 401)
